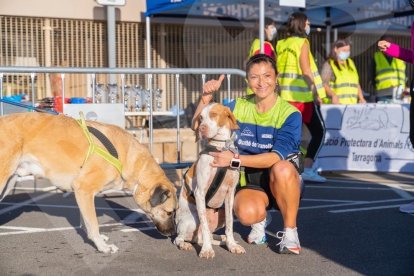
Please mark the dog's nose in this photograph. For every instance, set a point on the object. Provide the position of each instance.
(203, 130)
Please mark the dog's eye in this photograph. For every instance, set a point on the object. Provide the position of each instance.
(169, 214)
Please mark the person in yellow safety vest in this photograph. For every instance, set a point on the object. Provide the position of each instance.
(301, 85)
(388, 75)
(269, 42)
(340, 76)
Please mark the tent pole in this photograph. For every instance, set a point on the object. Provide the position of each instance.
(328, 30)
(328, 39)
(110, 10)
(261, 26)
(148, 37)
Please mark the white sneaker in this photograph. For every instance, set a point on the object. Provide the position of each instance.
(257, 234)
(289, 241)
(311, 175)
(407, 208)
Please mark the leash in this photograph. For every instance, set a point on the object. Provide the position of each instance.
(29, 107)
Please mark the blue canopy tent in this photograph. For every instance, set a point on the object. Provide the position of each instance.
(338, 14)
(346, 15)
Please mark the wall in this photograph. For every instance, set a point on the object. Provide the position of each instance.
(74, 9)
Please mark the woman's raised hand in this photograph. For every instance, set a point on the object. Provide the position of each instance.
(383, 45)
(213, 85)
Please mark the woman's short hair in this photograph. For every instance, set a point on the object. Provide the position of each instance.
(296, 24)
(259, 58)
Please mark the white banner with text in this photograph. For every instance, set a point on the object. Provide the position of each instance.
(366, 137)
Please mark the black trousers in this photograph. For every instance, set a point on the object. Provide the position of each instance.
(316, 128)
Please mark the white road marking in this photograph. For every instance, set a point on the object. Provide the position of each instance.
(331, 200)
(18, 228)
(351, 204)
(30, 230)
(346, 188)
(364, 209)
(367, 181)
(134, 216)
(68, 207)
(24, 203)
(138, 229)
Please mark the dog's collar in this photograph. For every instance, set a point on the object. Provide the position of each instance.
(217, 143)
(227, 144)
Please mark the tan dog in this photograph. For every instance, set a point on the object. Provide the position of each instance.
(195, 222)
(55, 147)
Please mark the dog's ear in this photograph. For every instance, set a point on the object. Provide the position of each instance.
(159, 196)
(196, 124)
(232, 119)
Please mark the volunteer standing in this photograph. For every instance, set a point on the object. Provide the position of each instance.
(301, 85)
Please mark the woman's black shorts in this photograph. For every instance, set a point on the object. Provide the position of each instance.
(258, 179)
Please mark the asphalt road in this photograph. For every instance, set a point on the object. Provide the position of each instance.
(348, 226)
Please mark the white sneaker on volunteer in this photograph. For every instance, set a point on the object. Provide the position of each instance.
(311, 175)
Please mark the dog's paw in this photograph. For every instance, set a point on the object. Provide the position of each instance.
(104, 247)
(207, 253)
(108, 248)
(236, 248)
(185, 246)
(182, 244)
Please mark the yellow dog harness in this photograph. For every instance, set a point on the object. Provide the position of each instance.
(94, 148)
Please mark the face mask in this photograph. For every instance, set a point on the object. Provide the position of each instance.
(343, 55)
(272, 32)
(307, 29)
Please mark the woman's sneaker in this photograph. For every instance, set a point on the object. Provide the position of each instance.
(257, 234)
(407, 208)
(311, 175)
(289, 241)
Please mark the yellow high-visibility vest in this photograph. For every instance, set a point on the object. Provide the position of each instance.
(346, 82)
(292, 84)
(388, 75)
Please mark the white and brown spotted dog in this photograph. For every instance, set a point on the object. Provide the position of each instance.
(196, 222)
(56, 147)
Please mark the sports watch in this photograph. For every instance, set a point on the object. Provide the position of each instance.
(235, 161)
